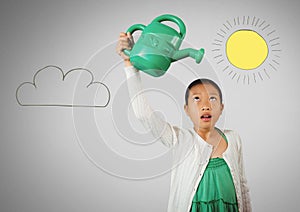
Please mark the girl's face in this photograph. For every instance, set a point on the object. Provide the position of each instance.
(204, 106)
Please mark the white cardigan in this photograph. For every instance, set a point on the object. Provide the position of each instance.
(190, 152)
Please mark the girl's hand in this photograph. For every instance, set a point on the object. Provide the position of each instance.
(125, 42)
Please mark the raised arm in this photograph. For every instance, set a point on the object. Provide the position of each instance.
(149, 118)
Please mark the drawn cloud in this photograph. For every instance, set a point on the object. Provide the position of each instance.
(51, 87)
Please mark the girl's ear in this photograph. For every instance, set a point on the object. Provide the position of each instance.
(186, 109)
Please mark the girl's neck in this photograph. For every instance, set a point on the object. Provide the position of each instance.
(206, 134)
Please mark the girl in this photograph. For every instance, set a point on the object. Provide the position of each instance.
(208, 173)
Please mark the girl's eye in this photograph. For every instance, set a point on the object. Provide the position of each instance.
(212, 98)
(196, 99)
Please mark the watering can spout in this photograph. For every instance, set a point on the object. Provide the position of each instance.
(189, 52)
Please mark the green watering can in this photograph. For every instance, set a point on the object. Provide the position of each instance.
(158, 46)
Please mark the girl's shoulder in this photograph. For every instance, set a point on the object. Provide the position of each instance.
(233, 137)
(231, 132)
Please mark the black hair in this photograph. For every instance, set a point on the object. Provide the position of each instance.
(200, 82)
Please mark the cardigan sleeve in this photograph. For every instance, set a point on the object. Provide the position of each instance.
(142, 110)
(244, 187)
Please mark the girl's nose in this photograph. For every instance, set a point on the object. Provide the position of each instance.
(205, 108)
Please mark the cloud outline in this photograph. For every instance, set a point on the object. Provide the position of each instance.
(64, 75)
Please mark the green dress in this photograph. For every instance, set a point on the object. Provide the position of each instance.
(216, 192)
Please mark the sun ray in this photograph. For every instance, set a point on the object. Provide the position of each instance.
(260, 76)
(265, 27)
(244, 79)
(257, 22)
(276, 50)
(234, 21)
(253, 20)
(220, 61)
(229, 23)
(276, 62)
(220, 35)
(238, 79)
(276, 44)
(273, 39)
(248, 20)
(266, 73)
(254, 77)
(238, 20)
(225, 68)
(216, 50)
(261, 24)
(243, 20)
(225, 26)
(220, 55)
(218, 40)
(223, 31)
(272, 66)
(234, 75)
(217, 44)
(229, 73)
(271, 32)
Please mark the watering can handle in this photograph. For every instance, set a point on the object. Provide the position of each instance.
(176, 20)
(136, 27)
(132, 29)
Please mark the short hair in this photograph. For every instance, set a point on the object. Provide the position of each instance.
(201, 82)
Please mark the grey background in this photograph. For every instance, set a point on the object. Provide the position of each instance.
(62, 159)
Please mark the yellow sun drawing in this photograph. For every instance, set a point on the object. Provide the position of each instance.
(247, 49)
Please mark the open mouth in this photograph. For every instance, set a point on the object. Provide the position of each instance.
(206, 117)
